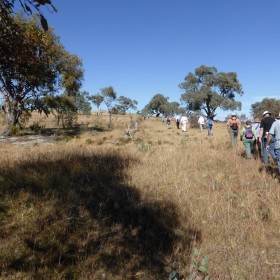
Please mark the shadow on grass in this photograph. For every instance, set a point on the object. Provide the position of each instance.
(74, 131)
(89, 220)
(272, 170)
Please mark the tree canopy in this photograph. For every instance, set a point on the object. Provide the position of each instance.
(207, 89)
(82, 103)
(33, 64)
(114, 105)
(267, 104)
(159, 104)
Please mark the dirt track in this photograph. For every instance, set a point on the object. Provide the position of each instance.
(27, 140)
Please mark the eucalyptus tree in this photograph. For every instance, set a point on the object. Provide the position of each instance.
(124, 104)
(64, 108)
(207, 90)
(82, 102)
(33, 65)
(114, 105)
(96, 99)
(267, 104)
(157, 105)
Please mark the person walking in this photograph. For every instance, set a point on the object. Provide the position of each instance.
(168, 122)
(184, 121)
(265, 126)
(233, 128)
(248, 135)
(257, 147)
(209, 125)
(201, 122)
(177, 119)
(274, 132)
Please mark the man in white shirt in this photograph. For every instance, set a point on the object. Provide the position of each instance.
(184, 121)
(201, 122)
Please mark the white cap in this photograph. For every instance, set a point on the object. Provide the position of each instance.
(266, 112)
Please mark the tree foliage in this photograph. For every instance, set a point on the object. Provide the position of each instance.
(96, 99)
(82, 103)
(267, 104)
(114, 105)
(33, 64)
(159, 104)
(207, 89)
(28, 7)
(64, 108)
(125, 103)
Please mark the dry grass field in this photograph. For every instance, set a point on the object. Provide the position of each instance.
(93, 204)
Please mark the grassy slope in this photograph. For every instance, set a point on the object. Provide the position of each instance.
(97, 206)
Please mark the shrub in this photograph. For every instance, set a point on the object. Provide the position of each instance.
(37, 127)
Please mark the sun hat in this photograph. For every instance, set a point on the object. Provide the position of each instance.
(233, 114)
(266, 112)
(257, 120)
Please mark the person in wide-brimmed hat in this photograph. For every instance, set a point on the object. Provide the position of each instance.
(274, 133)
(257, 147)
(265, 126)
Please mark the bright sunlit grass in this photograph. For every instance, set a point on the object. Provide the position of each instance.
(98, 205)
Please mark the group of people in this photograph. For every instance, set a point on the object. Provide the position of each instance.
(208, 124)
(183, 120)
(260, 137)
(179, 120)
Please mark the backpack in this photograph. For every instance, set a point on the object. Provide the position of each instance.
(249, 133)
(168, 119)
(234, 124)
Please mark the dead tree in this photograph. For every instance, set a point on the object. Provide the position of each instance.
(131, 128)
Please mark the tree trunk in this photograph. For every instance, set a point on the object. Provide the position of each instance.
(110, 120)
(8, 110)
(17, 109)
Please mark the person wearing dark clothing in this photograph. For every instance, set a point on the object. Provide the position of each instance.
(178, 121)
(265, 126)
(209, 125)
(257, 147)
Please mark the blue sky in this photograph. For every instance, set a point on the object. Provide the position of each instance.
(145, 47)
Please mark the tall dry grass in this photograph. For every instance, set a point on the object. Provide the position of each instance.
(97, 205)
